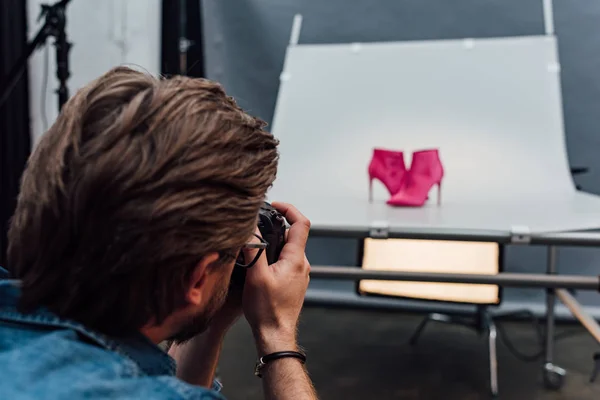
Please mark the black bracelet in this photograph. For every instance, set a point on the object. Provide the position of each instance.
(260, 364)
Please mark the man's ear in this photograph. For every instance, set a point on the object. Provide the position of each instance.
(196, 292)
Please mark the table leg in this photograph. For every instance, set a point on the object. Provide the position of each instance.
(553, 375)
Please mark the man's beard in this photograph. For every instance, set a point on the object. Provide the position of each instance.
(199, 323)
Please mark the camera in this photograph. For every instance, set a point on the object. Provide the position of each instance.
(272, 227)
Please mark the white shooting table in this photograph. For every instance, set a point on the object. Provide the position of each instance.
(492, 107)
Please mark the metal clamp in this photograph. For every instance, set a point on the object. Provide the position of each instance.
(520, 235)
(379, 230)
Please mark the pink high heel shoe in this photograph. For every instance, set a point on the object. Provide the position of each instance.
(426, 171)
(388, 167)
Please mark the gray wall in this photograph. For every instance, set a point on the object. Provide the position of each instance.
(245, 43)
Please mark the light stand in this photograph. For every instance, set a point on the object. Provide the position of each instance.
(54, 26)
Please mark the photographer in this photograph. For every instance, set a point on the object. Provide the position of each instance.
(134, 208)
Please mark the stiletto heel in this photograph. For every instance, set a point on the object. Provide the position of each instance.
(388, 167)
(425, 172)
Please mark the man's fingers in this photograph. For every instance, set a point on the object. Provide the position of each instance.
(290, 213)
(300, 225)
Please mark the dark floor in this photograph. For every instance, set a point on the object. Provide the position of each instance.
(365, 355)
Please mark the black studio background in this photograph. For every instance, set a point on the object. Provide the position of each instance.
(178, 16)
(15, 136)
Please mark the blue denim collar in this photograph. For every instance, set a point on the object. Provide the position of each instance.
(144, 355)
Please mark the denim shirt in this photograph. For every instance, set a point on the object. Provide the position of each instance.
(45, 357)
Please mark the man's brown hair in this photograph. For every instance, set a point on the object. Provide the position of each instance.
(137, 179)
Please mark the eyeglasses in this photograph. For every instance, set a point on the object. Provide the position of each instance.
(256, 243)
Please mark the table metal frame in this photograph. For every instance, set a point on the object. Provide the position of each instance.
(556, 285)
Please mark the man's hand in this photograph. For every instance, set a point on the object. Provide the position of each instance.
(274, 294)
(272, 300)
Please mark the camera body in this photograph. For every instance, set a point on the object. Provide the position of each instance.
(272, 227)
